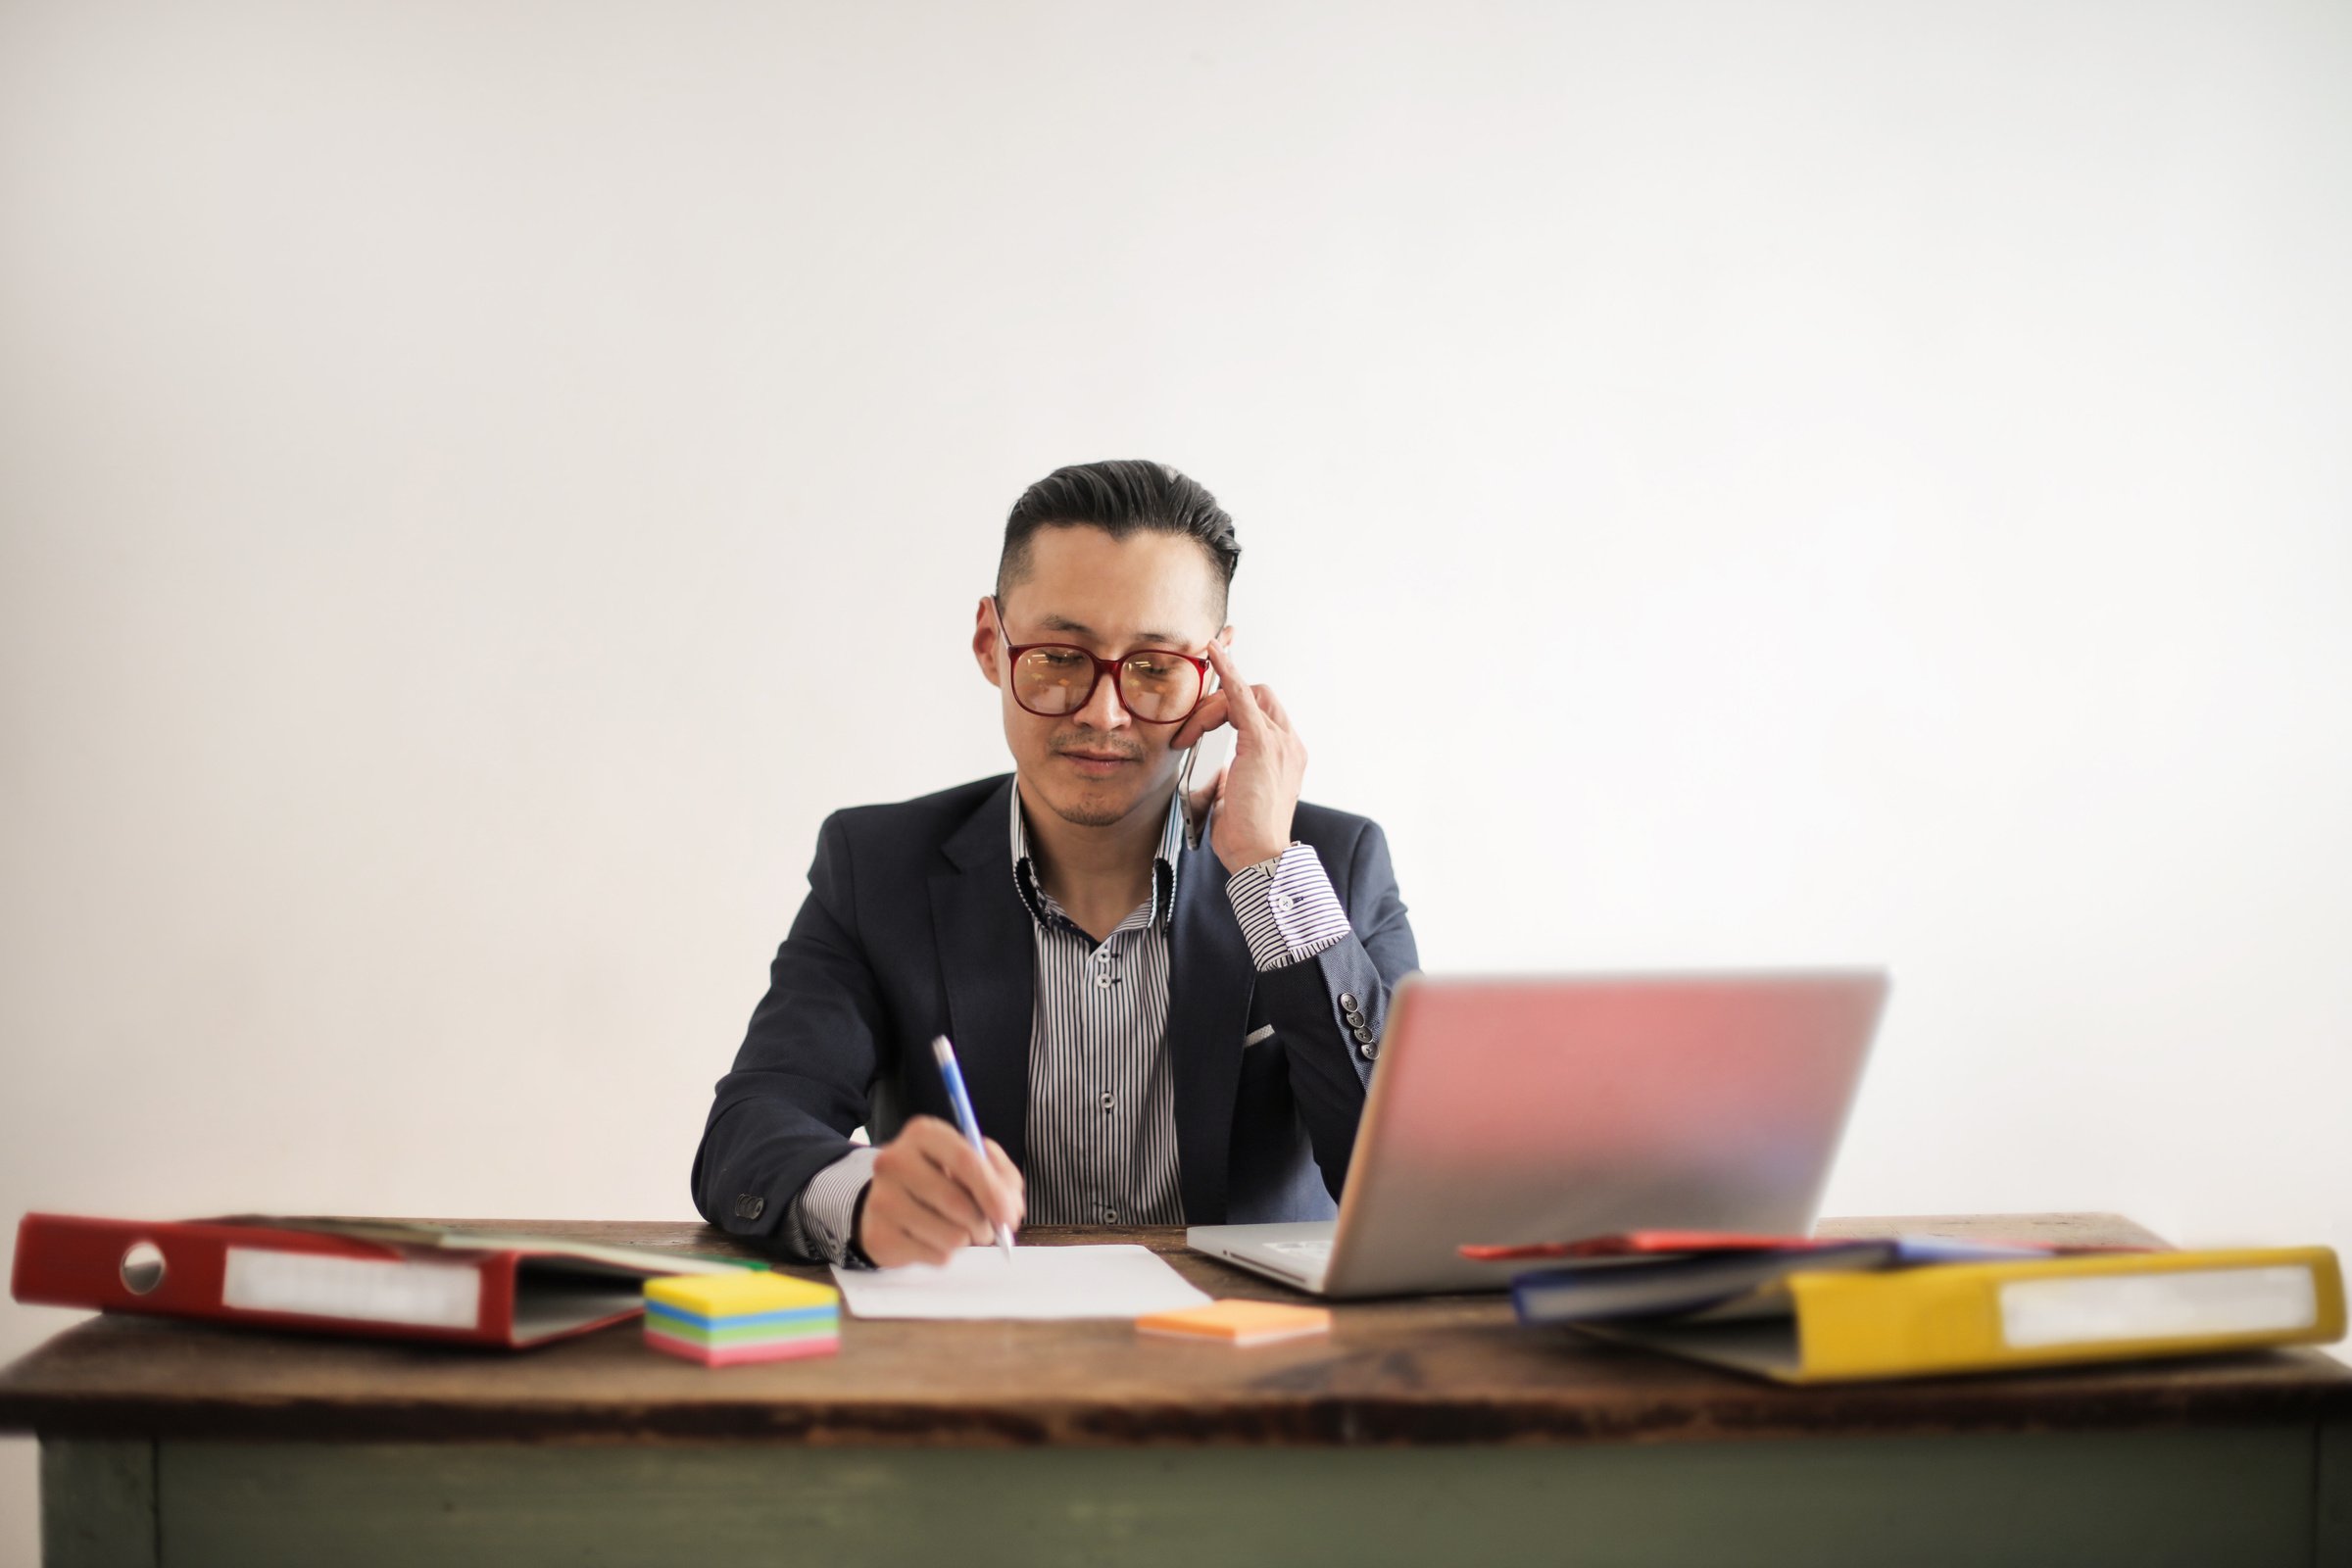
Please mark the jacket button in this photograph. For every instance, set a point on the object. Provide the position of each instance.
(749, 1205)
(1355, 1020)
(1347, 1001)
(1370, 1048)
(1363, 1035)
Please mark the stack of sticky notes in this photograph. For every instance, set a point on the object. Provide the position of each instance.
(724, 1319)
(1232, 1322)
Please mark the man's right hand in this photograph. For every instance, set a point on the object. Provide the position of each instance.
(932, 1193)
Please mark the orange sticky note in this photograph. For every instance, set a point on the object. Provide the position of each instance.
(1240, 1322)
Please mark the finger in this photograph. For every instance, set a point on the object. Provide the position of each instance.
(1009, 1175)
(948, 1196)
(1007, 1171)
(920, 1234)
(1242, 700)
(893, 1209)
(977, 1192)
(918, 1164)
(922, 1228)
(1000, 1199)
(1272, 705)
(902, 1228)
(1208, 716)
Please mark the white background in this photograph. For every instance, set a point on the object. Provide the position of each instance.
(1721, 483)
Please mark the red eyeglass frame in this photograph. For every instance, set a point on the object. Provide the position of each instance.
(1103, 666)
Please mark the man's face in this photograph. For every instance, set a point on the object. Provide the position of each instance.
(1096, 767)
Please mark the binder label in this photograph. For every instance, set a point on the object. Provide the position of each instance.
(2094, 1309)
(441, 1296)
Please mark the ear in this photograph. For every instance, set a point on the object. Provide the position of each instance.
(984, 642)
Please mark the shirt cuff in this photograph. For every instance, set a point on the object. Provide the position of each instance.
(1287, 908)
(820, 1223)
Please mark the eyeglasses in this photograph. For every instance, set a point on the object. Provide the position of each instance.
(1052, 680)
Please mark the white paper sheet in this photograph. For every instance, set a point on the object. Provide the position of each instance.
(1040, 1281)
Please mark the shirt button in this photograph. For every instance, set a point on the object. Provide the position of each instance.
(1347, 1001)
(1102, 957)
(1284, 902)
(1103, 982)
(1111, 1216)
(1107, 1101)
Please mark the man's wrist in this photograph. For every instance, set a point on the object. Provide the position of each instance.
(1255, 855)
(1287, 908)
(821, 1221)
(856, 1247)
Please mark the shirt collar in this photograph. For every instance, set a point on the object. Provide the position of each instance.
(1042, 905)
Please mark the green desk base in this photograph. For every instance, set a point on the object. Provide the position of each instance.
(2244, 1497)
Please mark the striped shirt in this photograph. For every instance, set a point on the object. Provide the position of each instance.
(1101, 1139)
(1100, 1135)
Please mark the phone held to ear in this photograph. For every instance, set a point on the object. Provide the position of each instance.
(1207, 757)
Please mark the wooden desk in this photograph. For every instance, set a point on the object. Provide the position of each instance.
(1432, 1432)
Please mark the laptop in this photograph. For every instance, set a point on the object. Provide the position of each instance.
(1515, 1111)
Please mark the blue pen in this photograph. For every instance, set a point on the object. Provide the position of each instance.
(945, 1054)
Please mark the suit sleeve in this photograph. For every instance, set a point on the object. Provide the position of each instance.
(1330, 1000)
(802, 1079)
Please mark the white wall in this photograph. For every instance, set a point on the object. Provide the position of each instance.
(1808, 483)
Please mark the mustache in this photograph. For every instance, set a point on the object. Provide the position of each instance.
(1088, 741)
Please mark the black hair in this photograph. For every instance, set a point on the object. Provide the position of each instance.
(1121, 497)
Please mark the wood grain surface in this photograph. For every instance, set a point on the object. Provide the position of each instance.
(1454, 1369)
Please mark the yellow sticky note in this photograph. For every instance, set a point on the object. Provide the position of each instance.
(735, 1294)
(1235, 1322)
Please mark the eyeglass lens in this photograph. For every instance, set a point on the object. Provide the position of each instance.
(1156, 687)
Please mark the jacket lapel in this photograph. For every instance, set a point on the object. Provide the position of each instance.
(987, 956)
(1209, 981)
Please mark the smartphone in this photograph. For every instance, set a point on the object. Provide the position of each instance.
(1199, 771)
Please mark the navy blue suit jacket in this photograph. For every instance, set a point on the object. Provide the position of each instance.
(913, 928)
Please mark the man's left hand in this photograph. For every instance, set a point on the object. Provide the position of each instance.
(1257, 792)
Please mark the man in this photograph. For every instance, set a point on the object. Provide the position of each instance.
(1167, 1010)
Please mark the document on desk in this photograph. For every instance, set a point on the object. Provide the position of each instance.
(1036, 1282)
